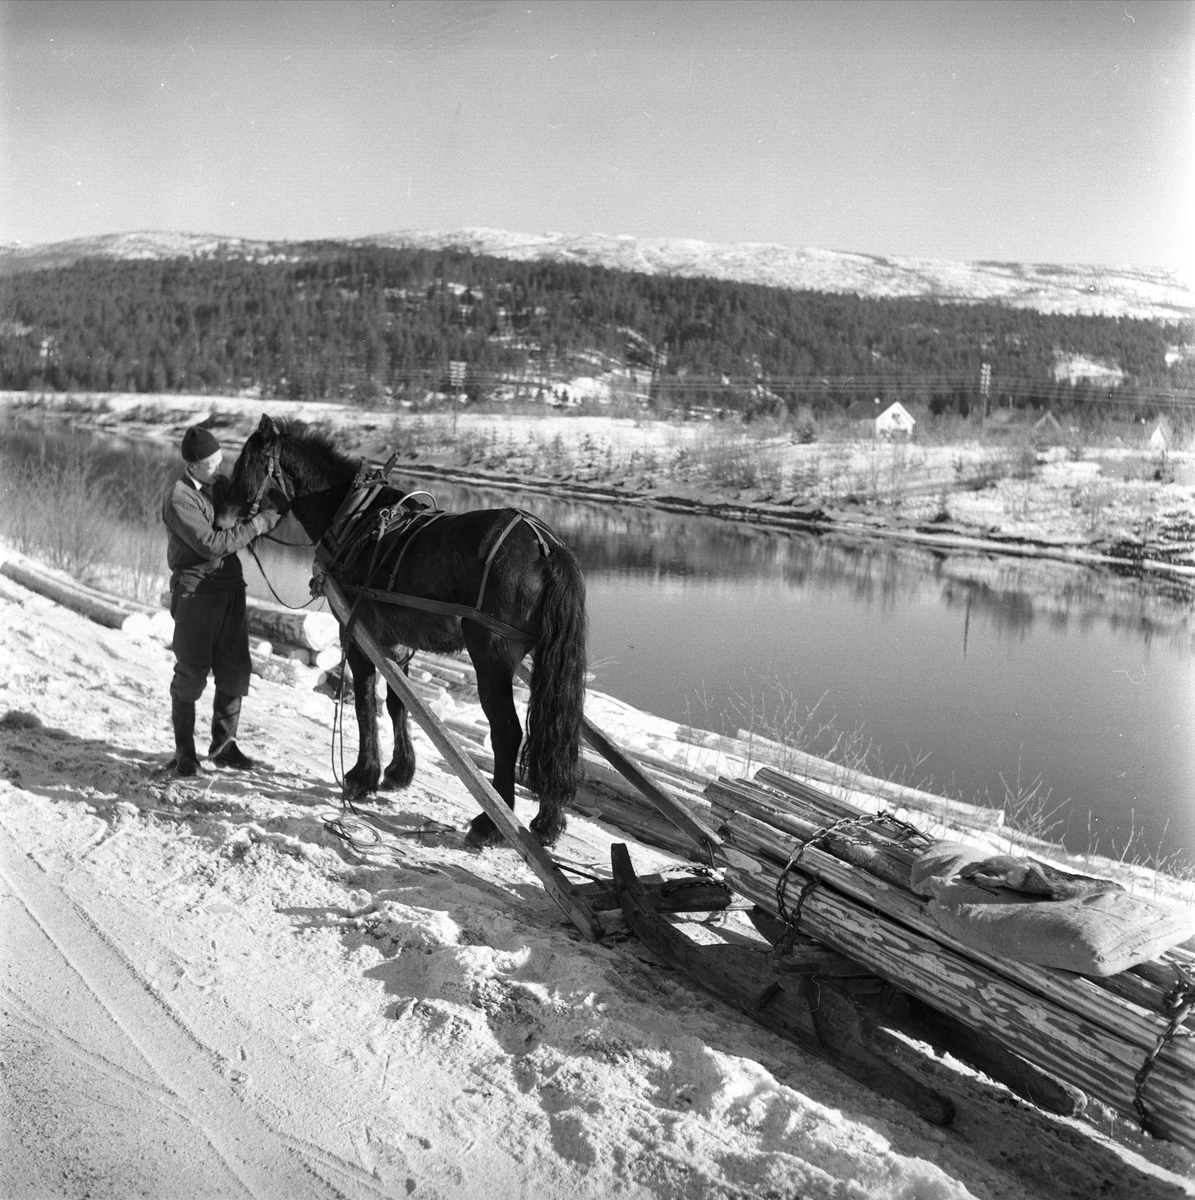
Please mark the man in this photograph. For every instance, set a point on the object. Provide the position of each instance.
(207, 602)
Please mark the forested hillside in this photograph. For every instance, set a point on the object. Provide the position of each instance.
(380, 323)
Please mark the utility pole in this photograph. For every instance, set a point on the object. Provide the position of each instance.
(456, 377)
(985, 388)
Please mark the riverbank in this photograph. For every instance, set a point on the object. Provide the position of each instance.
(987, 590)
(263, 1001)
(1118, 503)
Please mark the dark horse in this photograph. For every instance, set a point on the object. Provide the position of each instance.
(508, 563)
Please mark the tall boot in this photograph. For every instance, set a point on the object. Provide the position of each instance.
(182, 715)
(226, 715)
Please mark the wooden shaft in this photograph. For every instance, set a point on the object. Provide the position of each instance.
(575, 907)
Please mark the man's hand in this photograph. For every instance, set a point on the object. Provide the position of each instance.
(265, 520)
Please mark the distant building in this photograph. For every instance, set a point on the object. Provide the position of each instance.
(1047, 428)
(886, 420)
(1162, 437)
(1010, 418)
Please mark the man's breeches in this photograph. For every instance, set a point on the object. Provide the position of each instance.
(211, 634)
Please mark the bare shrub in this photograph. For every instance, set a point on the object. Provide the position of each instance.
(1093, 500)
(63, 513)
(730, 464)
(982, 474)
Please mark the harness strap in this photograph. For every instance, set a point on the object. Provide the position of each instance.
(542, 533)
(354, 507)
(465, 612)
(489, 558)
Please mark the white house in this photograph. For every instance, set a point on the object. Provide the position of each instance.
(895, 419)
(1161, 437)
(886, 420)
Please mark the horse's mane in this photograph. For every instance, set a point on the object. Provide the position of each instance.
(317, 441)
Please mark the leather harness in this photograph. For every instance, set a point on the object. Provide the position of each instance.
(354, 528)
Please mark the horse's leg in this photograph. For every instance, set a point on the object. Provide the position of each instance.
(362, 780)
(497, 702)
(401, 770)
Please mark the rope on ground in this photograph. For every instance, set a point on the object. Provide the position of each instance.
(361, 836)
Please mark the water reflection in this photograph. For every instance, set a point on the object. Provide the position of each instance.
(978, 670)
(1011, 593)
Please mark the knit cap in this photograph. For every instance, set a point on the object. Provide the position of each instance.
(198, 443)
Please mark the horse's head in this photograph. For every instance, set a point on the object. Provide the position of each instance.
(258, 477)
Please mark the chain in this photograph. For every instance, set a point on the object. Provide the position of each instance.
(1177, 1004)
(792, 918)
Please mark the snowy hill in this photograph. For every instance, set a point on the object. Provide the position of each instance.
(1147, 292)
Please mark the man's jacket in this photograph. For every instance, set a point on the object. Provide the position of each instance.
(201, 557)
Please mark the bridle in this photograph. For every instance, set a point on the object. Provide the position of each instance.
(273, 475)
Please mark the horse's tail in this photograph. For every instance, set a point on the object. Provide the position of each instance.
(551, 754)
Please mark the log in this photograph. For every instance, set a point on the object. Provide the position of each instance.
(533, 854)
(923, 1023)
(598, 770)
(326, 659)
(36, 570)
(105, 611)
(310, 630)
(864, 847)
(632, 816)
(1140, 1022)
(957, 813)
(987, 1054)
(1145, 984)
(751, 747)
(819, 1018)
(1040, 1031)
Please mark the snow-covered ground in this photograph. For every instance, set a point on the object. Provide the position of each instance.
(205, 993)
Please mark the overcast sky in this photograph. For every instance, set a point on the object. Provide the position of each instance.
(1056, 132)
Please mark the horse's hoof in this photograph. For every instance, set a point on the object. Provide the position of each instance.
(396, 780)
(547, 830)
(355, 794)
(482, 833)
(359, 785)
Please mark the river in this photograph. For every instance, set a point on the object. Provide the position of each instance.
(976, 676)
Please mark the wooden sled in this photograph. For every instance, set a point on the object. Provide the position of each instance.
(816, 1013)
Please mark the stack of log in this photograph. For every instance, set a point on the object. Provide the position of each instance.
(849, 873)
